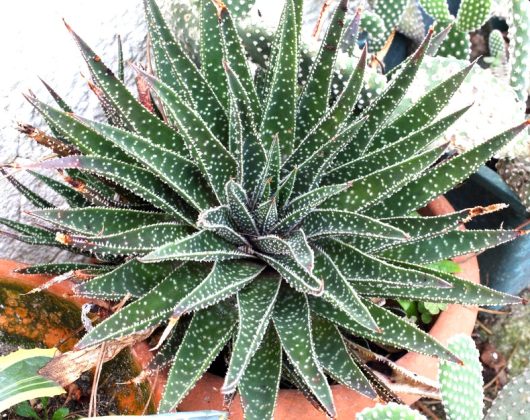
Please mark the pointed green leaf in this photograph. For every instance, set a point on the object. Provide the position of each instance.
(149, 310)
(266, 215)
(354, 264)
(72, 197)
(125, 104)
(442, 177)
(218, 220)
(240, 213)
(422, 112)
(313, 101)
(286, 189)
(175, 69)
(225, 279)
(293, 324)
(336, 223)
(294, 273)
(259, 384)
(178, 172)
(334, 120)
(131, 277)
(394, 152)
(279, 113)
(134, 241)
(31, 196)
(370, 189)
(201, 142)
(201, 246)
(335, 359)
(382, 107)
(143, 183)
(61, 268)
(448, 245)
(100, 220)
(395, 331)
(340, 293)
(255, 303)
(211, 51)
(206, 335)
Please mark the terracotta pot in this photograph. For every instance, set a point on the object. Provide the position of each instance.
(291, 404)
(52, 318)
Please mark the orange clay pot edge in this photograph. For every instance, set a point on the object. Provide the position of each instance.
(291, 404)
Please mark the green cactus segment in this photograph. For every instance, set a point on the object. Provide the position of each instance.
(461, 384)
(448, 245)
(99, 220)
(178, 172)
(200, 140)
(259, 385)
(442, 177)
(438, 9)
(514, 398)
(336, 223)
(267, 215)
(292, 321)
(390, 411)
(255, 303)
(313, 101)
(225, 279)
(394, 331)
(383, 106)
(201, 246)
(121, 64)
(519, 34)
(72, 197)
(86, 140)
(374, 26)
(373, 188)
(31, 196)
(279, 114)
(176, 70)
(218, 220)
(457, 44)
(497, 46)
(143, 183)
(193, 357)
(134, 241)
(149, 310)
(211, 51)
(125, 104)
(472, 14)
(423, 111)
(334, 357)
(132, 278)
(340, 293)
(390, 11)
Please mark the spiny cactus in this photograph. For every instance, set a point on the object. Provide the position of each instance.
(391, 411)
(246, 213)
(461, 384)
(471, 16)
(513, 401)
(519, 35)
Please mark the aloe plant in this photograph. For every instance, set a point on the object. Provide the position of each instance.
(245, 213)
